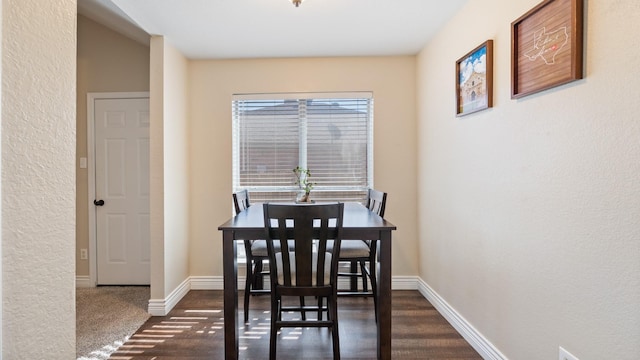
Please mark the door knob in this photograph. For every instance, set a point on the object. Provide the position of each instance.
(98, 202)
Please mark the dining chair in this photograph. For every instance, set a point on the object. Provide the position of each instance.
(310, 269)
(362, 253)
(256, 254)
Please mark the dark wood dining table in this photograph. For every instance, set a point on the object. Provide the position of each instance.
(358, 223)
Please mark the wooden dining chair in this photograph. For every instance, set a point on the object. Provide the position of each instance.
(361, 254)
(310, 269)
(256, 254)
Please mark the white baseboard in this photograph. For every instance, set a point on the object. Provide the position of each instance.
(209, 282)
(216, 283)
(485, 348)
(161, 307)
(404, 283)
(83, 281)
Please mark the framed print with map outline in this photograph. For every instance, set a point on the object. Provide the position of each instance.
(546, 47)
(474, 80)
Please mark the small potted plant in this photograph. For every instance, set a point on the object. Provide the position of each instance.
(302, 180)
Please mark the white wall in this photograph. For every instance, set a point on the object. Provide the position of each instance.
(212, 83)
(38, 178)
(169, 168)
(176, 167)
(1, 245)
(530, 211)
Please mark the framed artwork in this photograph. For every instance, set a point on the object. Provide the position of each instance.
(546, 47)
(474, 80)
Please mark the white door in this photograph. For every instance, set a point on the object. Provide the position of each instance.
(121, 129)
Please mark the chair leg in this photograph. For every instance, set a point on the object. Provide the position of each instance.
(320, 301)
(332, 314)
(275, 316)
(258, 282)
(374, 287)
(363, 271)
(354, 279)
(303, 313)
(247, 290)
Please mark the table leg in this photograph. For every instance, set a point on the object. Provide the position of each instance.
(230, 275)
(384, 297)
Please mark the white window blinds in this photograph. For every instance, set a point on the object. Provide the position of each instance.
(329, 134)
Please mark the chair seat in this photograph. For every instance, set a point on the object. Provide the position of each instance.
(259, 247)
(352, 249)
(292, 261)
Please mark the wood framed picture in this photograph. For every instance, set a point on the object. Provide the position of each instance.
(474, 80)
(546, 47)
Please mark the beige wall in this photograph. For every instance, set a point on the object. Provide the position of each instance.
(38, 178)
(526, 215)
(106, 62)
(169, 169)
(529, 216)
(1, 245)
(392, 80)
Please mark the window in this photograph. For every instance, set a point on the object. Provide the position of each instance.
(329, 134)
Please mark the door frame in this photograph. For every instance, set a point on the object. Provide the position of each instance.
(91, 171)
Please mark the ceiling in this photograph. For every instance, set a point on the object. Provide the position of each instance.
(231, 29)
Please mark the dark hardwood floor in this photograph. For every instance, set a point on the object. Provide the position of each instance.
(194, 330)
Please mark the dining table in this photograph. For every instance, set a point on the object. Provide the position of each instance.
(358, 223)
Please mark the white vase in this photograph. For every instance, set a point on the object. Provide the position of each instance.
(303, 197)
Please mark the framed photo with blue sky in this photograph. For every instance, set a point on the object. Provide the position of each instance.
(474, 80)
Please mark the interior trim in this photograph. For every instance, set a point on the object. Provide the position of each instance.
(161, 307)
(483, 346)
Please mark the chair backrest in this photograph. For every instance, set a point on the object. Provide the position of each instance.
(376, 201)
(241, 201)
(303, 224)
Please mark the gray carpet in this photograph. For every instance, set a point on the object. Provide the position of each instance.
(106, 316)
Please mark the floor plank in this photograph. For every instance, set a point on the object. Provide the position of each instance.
(194, 330)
